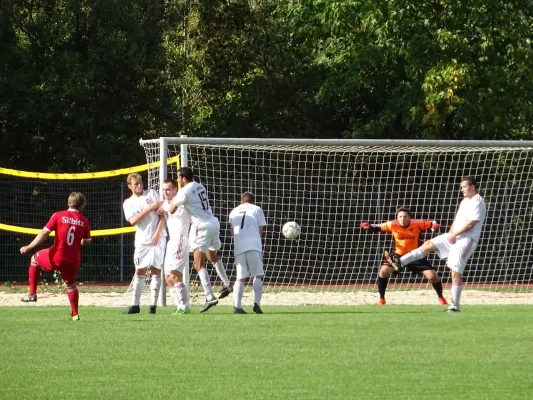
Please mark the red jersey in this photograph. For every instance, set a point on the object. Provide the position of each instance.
(70, 228)
(408, 238)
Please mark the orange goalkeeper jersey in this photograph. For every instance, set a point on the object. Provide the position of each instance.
(406, 239)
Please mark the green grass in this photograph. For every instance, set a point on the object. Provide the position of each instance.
(365, 352)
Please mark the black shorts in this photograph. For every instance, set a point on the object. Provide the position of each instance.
(416, 267)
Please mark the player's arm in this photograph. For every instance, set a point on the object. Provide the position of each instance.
(466, 228)
(178, 200)
(426, 225)
(261, 222)
(372, 228)
(138, 217)
(158, 230)
(40, 238)
(86, 241)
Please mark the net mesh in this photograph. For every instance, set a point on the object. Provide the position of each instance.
(330, 190)
(31, 202)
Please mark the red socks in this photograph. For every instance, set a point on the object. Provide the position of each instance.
(34, 274)
(73, 297)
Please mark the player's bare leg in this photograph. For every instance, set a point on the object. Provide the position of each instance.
(221, 272)
(382, 282)
(457, 288)
(138, 286)
(435, 280)
(199, 266)
(34, 273)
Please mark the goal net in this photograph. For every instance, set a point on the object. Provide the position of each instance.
(330, 186)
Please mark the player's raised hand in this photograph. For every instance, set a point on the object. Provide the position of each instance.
(365, 226)
(435, 226)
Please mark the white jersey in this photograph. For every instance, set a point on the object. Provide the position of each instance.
(178, 224)
(145, 228)
(471, 209)
(193, 197)
(245, 221)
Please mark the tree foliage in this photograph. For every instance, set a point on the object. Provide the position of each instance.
(434, 69)
(81, 81)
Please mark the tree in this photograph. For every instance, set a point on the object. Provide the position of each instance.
(437, 69)
(257, 77)
(82, 75)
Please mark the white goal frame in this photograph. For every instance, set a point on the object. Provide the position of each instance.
(510, 204)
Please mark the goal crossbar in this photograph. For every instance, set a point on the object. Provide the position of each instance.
(386, 143)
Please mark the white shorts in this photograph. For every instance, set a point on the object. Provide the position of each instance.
(457, 253)
(205, 236)
(177, 255)
(150, 256)
(249, 263)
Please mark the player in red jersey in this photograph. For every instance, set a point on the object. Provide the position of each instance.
(72, 230)
(406, 234)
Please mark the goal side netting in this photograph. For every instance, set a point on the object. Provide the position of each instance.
(330, 189)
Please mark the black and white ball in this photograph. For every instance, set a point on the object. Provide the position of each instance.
(291, 230)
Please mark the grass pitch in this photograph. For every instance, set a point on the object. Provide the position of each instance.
(363, 352)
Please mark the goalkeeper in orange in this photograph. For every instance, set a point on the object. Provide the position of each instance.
(406, 237)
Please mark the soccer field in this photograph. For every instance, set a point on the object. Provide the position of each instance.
(289, 352)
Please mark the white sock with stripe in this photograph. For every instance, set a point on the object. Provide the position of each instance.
(155, 285)
(181, 295)
(411, 256)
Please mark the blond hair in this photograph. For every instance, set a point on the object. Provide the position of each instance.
(77, 201)
(134, 176)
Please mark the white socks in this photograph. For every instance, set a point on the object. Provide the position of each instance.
(456, 295)
(221, 272)
(238, 292)
(138, 287)
(206, 283)
(412, 256)
(155, 285)
(181, 296)
(258, 290)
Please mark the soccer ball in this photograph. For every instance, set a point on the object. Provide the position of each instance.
(291, 230)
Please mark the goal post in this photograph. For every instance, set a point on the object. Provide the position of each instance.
(330, 186)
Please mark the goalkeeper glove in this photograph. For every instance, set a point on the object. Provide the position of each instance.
(435, 226)
(365, 226)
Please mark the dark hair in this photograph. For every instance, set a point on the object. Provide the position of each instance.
(248, 197)
(172, 181)
(470, 179)
(187, 173)
(403, 209)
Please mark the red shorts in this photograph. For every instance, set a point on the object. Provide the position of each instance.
(68, 270)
